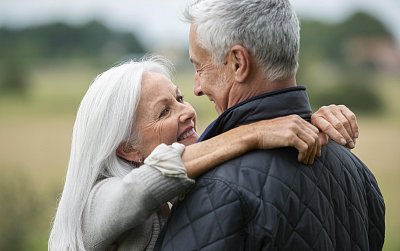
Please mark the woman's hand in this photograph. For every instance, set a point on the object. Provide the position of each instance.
(338, 123)
(287, 131)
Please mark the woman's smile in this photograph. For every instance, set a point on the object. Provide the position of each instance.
(189, 133)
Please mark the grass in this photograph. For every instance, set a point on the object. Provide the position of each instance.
(35, 136)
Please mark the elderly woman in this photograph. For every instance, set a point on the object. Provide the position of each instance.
(125, 165)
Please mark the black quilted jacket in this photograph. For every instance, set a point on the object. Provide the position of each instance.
(267, 200)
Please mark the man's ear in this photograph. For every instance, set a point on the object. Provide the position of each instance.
(239, 60)
(129, 153)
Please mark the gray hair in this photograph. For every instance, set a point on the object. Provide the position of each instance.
(104, 120)
(269, 29)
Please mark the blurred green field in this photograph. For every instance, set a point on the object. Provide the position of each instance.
(35, 137)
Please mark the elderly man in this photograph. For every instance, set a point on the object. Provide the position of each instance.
(246, 55)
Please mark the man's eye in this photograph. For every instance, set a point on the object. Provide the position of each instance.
(180, 99)
(198, 70)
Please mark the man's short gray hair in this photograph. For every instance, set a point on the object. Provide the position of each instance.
(269, 29)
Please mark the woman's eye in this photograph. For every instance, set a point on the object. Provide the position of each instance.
(180, 99)
(164, 112)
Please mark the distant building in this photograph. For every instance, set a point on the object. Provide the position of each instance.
(380, 52)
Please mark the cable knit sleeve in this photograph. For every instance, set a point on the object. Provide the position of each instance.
(116, 205)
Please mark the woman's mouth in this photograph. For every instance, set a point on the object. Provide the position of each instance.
(187, 134)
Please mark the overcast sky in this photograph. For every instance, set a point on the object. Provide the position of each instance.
(158, 20)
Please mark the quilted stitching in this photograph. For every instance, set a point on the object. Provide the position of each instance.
(211, 210)
(333, 232)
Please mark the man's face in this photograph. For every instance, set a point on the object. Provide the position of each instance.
(209, 79)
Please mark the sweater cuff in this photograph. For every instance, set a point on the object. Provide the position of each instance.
(169, 172)
(168, 160)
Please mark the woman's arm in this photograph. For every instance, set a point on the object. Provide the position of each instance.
(116, 205)
(267, 134)
(335, 122)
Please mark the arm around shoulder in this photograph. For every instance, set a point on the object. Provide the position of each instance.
(267, 134)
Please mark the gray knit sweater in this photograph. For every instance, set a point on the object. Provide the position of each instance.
(125, 211)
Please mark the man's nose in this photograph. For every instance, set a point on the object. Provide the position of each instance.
(197, 87)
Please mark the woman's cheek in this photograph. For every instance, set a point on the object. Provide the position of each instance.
(164, 133)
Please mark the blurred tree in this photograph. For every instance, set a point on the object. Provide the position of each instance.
(362, 24)
(327, 69)
(62, 41)
(13, 78)
(359, 97)
(327, 40)
(92, 42)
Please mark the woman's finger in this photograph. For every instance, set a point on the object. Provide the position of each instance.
(338, 122)
(302, 147)
(315, 151)
(352, 120)
(323, 139)
(312, 152)
(308, 135)
(328, 128)
(344, 125)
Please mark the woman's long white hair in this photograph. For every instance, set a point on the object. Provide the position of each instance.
(104, 120)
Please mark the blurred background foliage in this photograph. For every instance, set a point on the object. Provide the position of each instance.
(45, 71)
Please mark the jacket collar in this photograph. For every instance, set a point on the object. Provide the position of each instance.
(293, 100)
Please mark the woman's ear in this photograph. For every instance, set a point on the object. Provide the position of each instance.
(240, 62)
(128, 153)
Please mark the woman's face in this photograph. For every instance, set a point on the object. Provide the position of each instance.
(162, 115)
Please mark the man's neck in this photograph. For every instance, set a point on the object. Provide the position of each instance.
(244, 91)
(270, 86)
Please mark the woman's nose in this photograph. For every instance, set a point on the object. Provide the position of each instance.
(188, 113)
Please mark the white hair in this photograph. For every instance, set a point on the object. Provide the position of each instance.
(104, 120)
(269, 29)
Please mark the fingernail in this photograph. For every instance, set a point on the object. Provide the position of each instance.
(343, 141)
(351, 145)
(356, 135)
